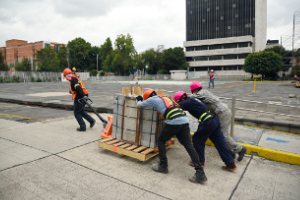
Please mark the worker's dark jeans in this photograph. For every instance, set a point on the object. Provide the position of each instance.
(212, 130)
(79, 113)
(182, 133)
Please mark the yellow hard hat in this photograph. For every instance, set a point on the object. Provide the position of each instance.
(74, 69)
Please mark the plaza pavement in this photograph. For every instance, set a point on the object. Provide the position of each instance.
(51, 160)
(56, 94)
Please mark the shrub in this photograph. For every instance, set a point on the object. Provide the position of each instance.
(32, 79)
(39, 79)
(93, 72)
(102, 73)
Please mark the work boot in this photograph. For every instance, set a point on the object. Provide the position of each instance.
(158, 168)
(192, 164)
(199, 177)
(230, 167)
(80, 129)
(92, 123)
(241, 154)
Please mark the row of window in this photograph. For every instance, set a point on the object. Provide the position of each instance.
(219, 19)
(219, 57)
(216, 68)
(219, 46)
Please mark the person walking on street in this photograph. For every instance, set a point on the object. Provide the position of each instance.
(211, 79)
(78, 91)
(176, 123)
(209, 127)
(216, 106)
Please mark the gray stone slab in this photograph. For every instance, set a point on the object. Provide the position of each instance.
(279, 141)
(265, 179)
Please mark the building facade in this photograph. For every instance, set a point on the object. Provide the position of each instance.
(221, 33)
(16, 50)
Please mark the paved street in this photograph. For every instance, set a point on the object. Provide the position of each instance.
(56, 94)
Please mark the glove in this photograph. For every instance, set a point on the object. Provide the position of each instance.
(139, 98)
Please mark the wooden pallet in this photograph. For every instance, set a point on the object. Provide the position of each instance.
(139, 152)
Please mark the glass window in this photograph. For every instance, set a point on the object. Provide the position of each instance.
(230, 57)
(201, 48)
(230, 45)
(201, 58)
(243, 44)
(217, 46)
(215, 57)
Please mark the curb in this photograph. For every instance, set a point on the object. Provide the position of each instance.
(55, 105)
(271, 154)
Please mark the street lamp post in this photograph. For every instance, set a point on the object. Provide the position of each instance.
(97, 64)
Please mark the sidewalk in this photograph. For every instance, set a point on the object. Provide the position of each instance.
(50, 160)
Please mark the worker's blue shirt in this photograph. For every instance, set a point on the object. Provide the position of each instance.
(194, 106)
(160, 106)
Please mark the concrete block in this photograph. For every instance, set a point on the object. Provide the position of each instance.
(294, 130)
(249, 123)
(281, 128)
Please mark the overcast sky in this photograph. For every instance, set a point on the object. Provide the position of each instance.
(149, 22)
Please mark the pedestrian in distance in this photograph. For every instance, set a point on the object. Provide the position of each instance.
(78, 91)
(209, 127)
(217, 107)
(211, 79)
(176, 123)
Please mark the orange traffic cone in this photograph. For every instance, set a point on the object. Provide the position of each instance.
(108, 129)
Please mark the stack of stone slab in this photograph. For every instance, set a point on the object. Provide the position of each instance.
(133, 125)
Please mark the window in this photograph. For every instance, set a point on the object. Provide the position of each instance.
(189, 48)
(230, 57)
(215, 57)
(217, 46)
(243, 44)
(201, 48)
(201, 58)
(231, 45)
(189, 59)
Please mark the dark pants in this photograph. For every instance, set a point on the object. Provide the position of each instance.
(79, 113)
(211, 130)
(182, 133)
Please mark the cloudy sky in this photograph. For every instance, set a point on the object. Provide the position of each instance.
(149, 22)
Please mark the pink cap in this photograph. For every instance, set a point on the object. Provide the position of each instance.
(178, 95)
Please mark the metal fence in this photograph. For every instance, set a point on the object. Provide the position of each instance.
(220, 77)
(131, 77)
(17, 76)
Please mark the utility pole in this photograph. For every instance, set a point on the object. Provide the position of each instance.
(97, 64)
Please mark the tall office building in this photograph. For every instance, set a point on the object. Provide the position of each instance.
(221, 33)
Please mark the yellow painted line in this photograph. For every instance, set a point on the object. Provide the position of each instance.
(18, 116)
(237, 85)
(271, 154)
(10, 106)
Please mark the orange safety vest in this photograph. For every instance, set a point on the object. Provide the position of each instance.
(74, 93)
(173, 108)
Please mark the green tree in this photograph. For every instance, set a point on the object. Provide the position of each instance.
(286, 56)
(93, 58)
(106, 51)
(123, 56)
(62, 56)
(152, 58)
(264, 62)
(25, 65)
(79, 53)
(48, 60)
(174, 59)
(3, 65)
(296, 70)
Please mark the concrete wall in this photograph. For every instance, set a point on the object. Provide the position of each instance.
(217, 63)
(178, 74)
(247, 38)
(219, 52)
